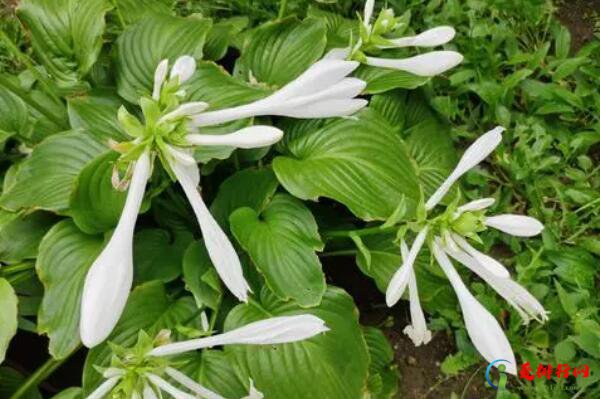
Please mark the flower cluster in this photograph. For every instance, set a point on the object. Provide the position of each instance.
(383, 34)
(144, 371)
(170, 131)
(446, 235)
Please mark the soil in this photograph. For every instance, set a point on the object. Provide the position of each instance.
(579, 16)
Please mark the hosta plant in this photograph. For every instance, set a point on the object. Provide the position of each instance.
(171, 183)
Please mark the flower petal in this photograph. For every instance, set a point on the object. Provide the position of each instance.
(318, 77)
(368, 14)
(430, 38)
(191, 384)
(249, 137)
(476, 205)
(187, 109)
(516, 225)
(338, 53)
(104, 388)
(327, 109)
(276, 330)
(148, 392)
(400, 279)
(485, 261)
(483, 329)
(184, 68)
(219, 248)
(428, 64)
(109, 279)
(168, 388)
(515, 294)
(254, 393)
(477, 152)
(417, 331)
(160, 75)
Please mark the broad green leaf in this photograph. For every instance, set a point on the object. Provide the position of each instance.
(200, 276)
(148, 308)
(359, 162)
(383, 375)
(158, 255)
(339, 29)
(65, 256)
(95, 205)
(574, 266)
(11, 380)
(221, 36)
(142, 46)
(428, 140)
(380, 80)
(14, 116)
(332, 365)
(96, 112)
(44, 180)
(214, 370)
(277, 52)
(66, 35)
(8, 316)
(251, 188)
(20, 235)
(281, 241)
(131, 11)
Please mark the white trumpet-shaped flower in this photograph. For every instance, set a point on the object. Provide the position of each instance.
(272, 331)
(447, 235)
(323, 90)
(375, 36)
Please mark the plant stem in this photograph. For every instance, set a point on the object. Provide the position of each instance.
(359, 232)
(22, 94)
(282, 9)
(43, 372)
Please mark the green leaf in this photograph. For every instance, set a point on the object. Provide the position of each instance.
(95, 205)
(131, 11)
(250, 187)
(339, 29)
(14, 117)
(8, 316)
(332, 365)
(214, 370)
(200, 276)
(566, 300)
(29, 229)
(65, 256)
(157, 255)
(574, 266)
(148, 308)
(281, 241)
(66, 35)
(222, 35)
(380, 80)
(170, 37)
(11, 380)
(564, 351)
(359, 162)
(96, 112)
(45, 178)
(277, 52)
(383, 374)
(428, 140)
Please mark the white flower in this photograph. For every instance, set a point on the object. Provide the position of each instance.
(482, 327)
(321, 91)
(109, 279)
(276, 330)
(428, 64)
